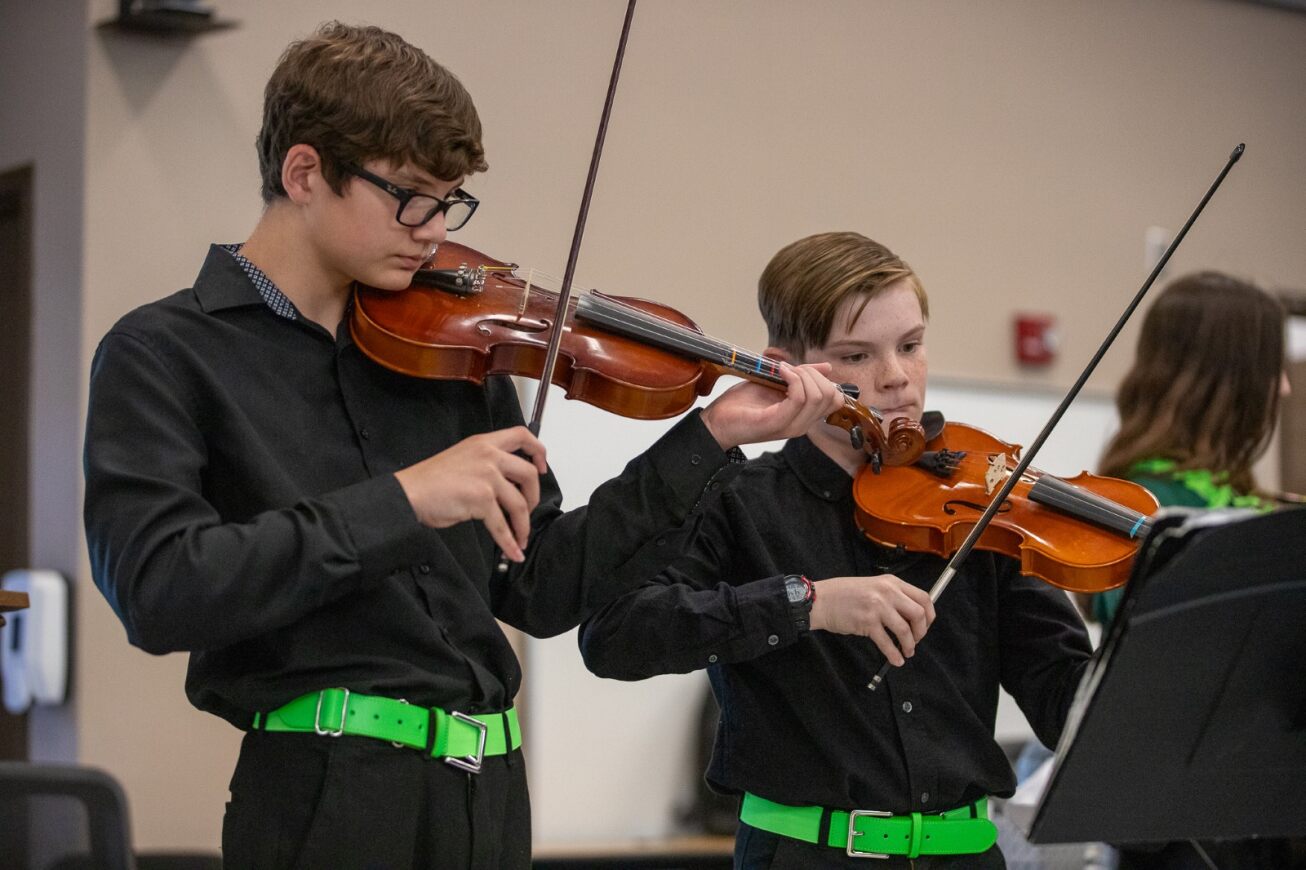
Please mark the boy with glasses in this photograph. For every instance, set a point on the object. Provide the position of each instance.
(793, 611)
(322, 534)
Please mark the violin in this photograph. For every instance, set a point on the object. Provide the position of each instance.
(466, 316)
(1078, 533)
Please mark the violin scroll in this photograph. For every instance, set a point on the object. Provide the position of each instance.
(902, 444)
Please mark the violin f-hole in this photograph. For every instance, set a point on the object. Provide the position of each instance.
(512, 322)
(950, 507)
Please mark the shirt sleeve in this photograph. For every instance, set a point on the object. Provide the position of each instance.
(179, 576)
(579, 560)
(691, 615)
(1044, 650)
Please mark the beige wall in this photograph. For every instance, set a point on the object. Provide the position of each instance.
(1013, 152)
(42, 86)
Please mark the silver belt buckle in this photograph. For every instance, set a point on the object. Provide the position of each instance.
(470, 763)
(853, 833)
(317, 717)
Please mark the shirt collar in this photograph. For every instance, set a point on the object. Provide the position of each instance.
(228, 280)
(279, 302)
(824, 477)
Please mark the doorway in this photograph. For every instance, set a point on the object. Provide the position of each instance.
(15, 378)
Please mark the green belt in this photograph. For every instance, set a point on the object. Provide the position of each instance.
(874, 834)
(460, 739)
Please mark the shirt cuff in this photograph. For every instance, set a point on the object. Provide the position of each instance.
(765, 615)
(686, 459)
(381, 525)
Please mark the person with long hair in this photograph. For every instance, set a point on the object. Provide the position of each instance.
(1200, 404)
(1197, 410)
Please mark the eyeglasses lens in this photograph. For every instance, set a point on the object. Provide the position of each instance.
(421, 209)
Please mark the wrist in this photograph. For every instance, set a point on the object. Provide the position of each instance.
(715, 430)
(816, 620)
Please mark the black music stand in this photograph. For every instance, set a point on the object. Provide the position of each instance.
(1191, 724)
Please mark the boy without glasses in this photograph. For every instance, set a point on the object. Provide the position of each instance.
(320, 533)
(792, 611)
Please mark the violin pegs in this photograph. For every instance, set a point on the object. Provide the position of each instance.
(857, 436)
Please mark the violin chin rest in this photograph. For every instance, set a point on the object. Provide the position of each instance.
(932, 422)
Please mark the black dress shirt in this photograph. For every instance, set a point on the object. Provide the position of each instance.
(798, 725)
(241, 504)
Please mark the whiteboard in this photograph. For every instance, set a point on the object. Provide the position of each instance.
(611, 760)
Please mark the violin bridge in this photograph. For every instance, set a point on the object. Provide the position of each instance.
(996, 473)
(526, 292)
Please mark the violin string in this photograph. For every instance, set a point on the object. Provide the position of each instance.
(1058, 494)
(706, 345)
(1088, 499)
(1073, 499)
(635, 322)
(681, 337)
(650, 327)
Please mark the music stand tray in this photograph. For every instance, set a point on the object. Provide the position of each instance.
(1191, 722)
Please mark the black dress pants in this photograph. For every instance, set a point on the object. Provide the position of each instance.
(308, 802)
(756, 849)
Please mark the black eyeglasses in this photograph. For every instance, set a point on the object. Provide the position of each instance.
(415, 209)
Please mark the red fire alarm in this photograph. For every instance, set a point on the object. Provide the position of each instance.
(1036, 339)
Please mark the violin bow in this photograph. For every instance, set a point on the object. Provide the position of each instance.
(564, 296)
(1014, 477)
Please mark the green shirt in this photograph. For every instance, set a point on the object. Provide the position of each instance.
(1196, 487)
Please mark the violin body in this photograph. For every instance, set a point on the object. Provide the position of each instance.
(1078, 533)
(501, 326)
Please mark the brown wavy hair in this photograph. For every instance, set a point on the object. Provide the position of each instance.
(363, 93)
(803, 286)
(1204, 388)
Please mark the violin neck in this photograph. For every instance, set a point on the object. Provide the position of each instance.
(1055, 493)
(626, 320)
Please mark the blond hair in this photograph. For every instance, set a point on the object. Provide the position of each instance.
(807, 281)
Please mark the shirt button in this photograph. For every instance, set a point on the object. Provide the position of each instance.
(712, 658)
(662, 542)
(925, 797)
(695, 459)
(364, 434)
(424, 568)
(906, 706)
(773, 640)
(825, 494)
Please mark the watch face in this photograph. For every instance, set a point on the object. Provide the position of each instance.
(795, 589)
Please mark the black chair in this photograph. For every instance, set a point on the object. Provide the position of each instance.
(98, 793)
(26, 836)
